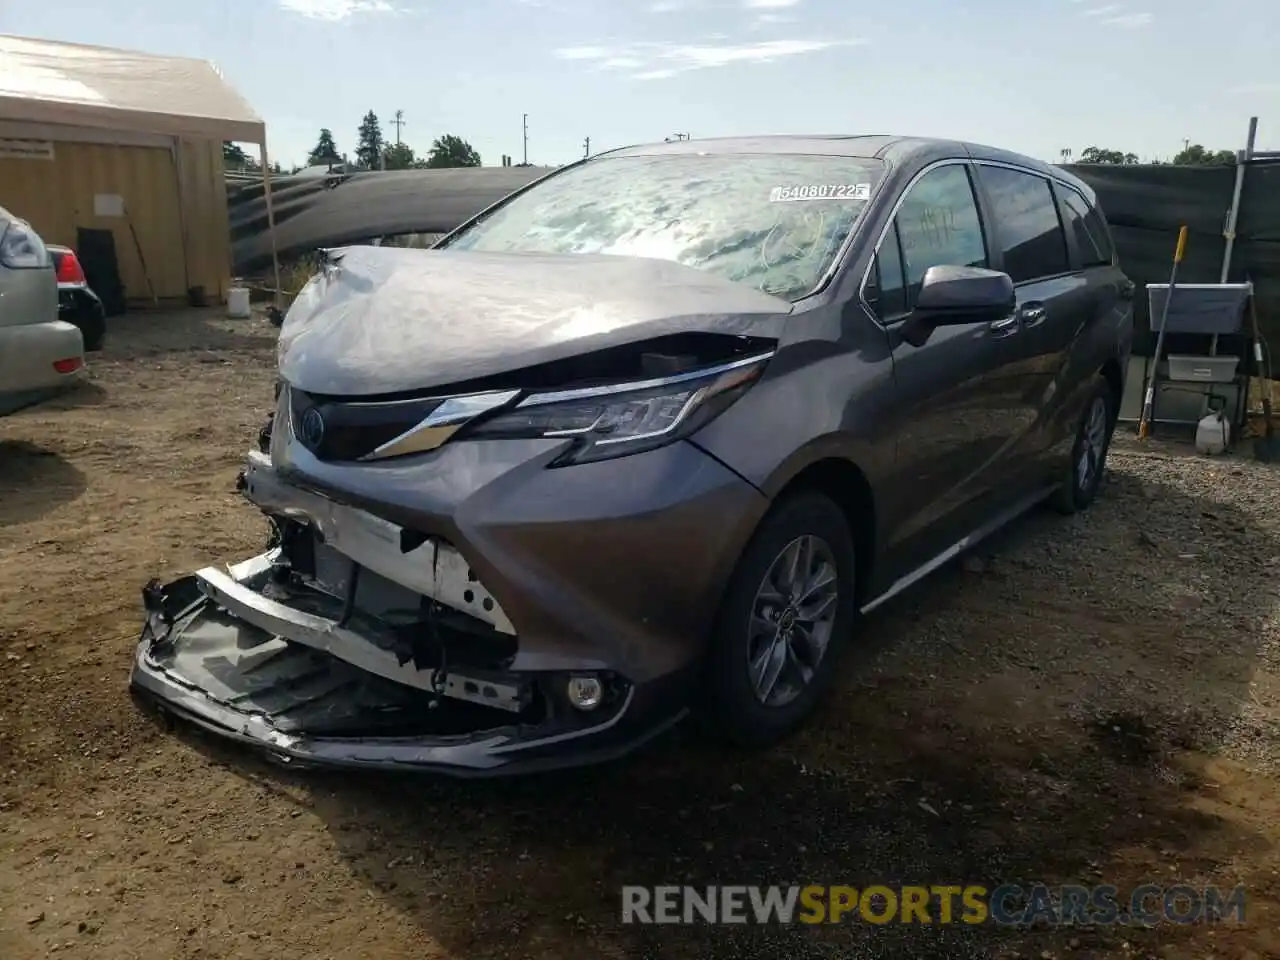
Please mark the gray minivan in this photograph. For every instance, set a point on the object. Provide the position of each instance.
(643, 438)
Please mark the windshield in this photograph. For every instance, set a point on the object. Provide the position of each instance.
(775, 221)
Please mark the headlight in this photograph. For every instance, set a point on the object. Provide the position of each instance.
(621, 419)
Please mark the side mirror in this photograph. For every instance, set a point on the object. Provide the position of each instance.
(955, 295)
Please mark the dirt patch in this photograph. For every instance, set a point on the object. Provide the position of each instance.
(1092, 700)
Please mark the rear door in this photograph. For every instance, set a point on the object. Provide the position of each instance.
(1055, 303)
(958, 405)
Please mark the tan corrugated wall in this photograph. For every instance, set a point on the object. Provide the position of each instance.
(58, 196)
(204, 187)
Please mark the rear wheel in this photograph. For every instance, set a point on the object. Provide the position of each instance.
(1083, 475)
(784, 619)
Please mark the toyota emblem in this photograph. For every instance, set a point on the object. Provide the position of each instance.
(312, 428)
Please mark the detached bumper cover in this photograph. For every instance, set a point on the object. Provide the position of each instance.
(198, 663)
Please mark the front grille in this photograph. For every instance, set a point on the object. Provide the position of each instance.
(349, 430)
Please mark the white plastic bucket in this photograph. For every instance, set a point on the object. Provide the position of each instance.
(238, 303)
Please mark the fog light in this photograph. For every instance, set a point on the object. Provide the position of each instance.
(585, 693)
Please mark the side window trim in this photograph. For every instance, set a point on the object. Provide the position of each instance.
(892, 218)
(994, 237)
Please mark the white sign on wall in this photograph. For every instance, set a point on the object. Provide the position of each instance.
(26, 149)
(108, 205)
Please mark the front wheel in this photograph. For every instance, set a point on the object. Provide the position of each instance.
(1083, 475)
(787, 613)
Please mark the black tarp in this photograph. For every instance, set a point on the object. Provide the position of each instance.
(314, 212)
(1145, 206)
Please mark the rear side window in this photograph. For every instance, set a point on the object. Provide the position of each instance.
(1027, 223)
(1089, 228)
(939, 225)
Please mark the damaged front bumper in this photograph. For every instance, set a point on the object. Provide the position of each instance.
(211, 656)
(351, 642)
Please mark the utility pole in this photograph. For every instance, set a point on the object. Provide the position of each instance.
(524, 123)
(398, 122)
(586, 148)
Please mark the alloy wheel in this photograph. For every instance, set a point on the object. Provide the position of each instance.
(792, 618)
(1093, 443)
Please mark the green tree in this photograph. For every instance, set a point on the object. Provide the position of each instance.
(234, 157)
(1101, 155)
(369, 142)
(399, 156)
(325, 150)
(1194, 155)
(452, 151)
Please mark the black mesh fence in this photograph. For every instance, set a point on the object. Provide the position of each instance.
(1145, 206)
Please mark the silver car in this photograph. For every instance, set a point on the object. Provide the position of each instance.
(40, 355)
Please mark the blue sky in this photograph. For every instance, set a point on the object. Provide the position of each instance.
(1030, 75)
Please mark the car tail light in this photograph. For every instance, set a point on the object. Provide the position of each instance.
(69, 269)
(20, 247)
(69, 365)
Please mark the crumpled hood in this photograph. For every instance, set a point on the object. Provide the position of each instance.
(384, 320)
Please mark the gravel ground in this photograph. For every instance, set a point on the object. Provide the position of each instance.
(1091, 700)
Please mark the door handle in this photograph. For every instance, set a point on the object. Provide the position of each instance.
(1032, 314)
(1006, 327)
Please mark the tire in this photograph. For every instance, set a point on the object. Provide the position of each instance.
(93, 327)
(1079, 489)
(733, 707)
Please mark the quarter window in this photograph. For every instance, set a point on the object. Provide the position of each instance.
(1089, 228)
(1027, 224)
(938, 225)
(889, 295)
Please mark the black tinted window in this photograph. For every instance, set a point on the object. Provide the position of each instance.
(1090, 231)
(889, 295)
(1027, 223)
(938, 225)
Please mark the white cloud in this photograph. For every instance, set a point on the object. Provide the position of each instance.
(1103, 11)
(1247, 88)
(657, 61)
(770, 20)
(1130, 20)
(335, 10)
(770, 4)
(584, 53)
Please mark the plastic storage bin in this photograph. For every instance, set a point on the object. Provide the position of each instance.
(1201, 369)
(238, 303)
(1207, 308)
